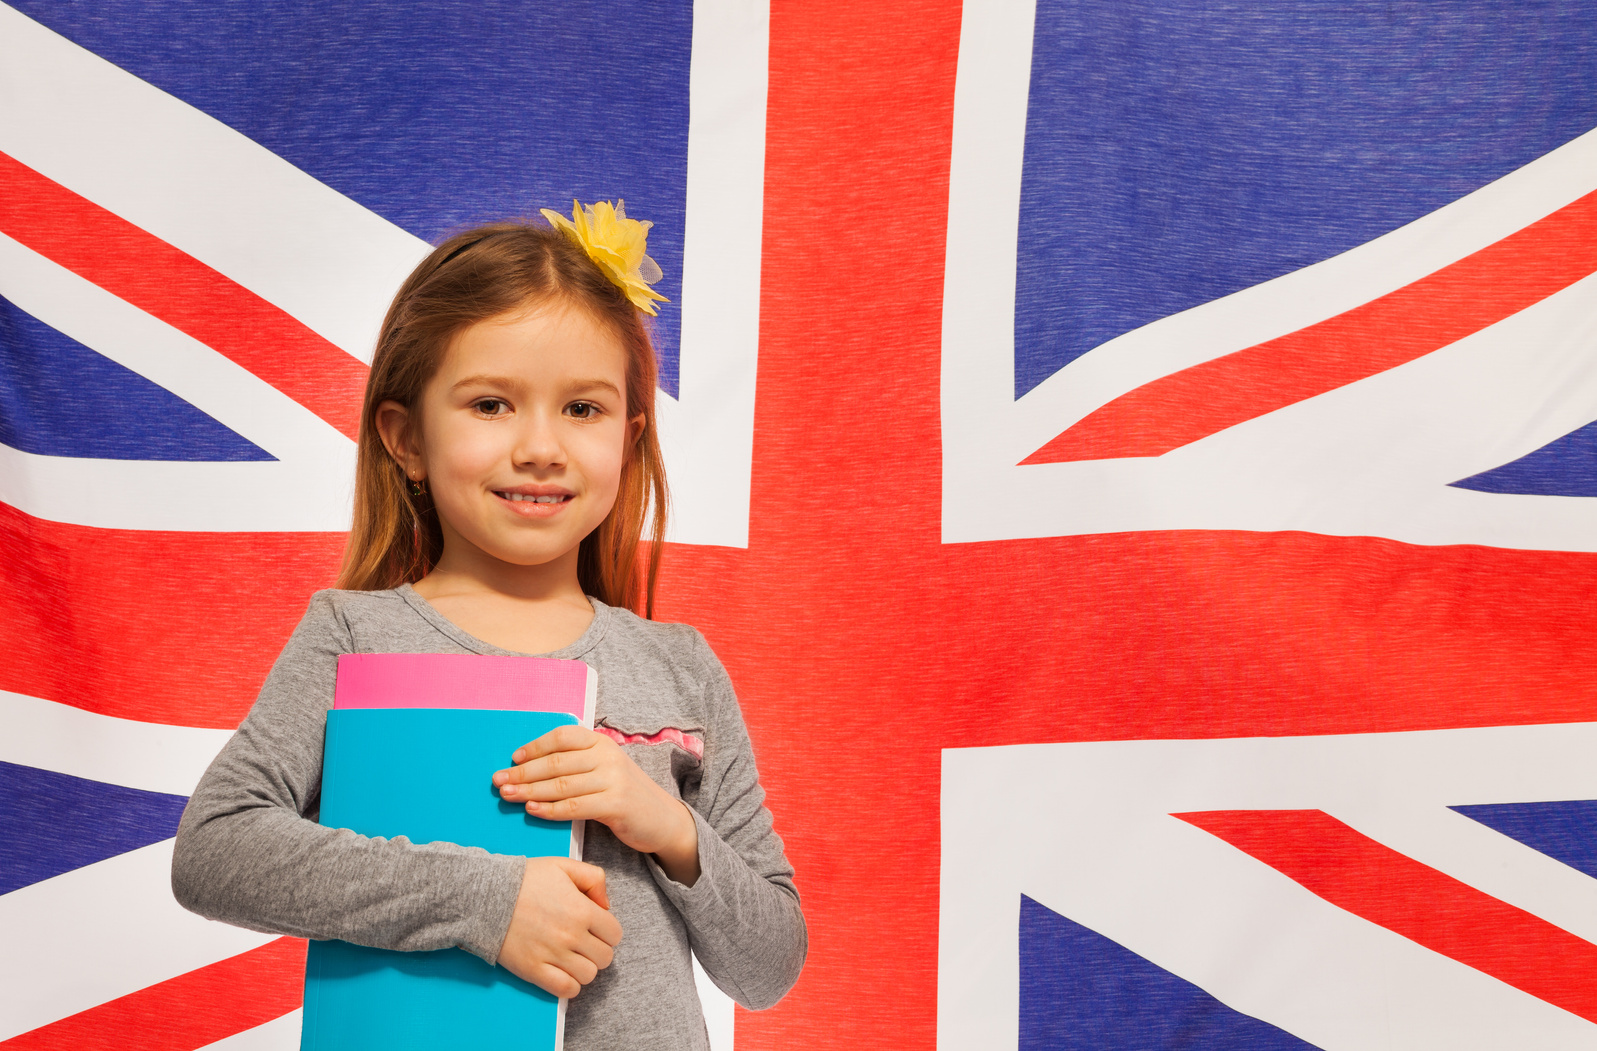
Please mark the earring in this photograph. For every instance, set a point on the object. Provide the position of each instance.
(418, 487)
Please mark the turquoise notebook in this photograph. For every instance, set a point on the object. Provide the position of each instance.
(424, 773)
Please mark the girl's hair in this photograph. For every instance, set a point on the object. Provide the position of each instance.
(481, 274)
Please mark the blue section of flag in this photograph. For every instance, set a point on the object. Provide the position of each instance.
(1176, 153)
(52, 823)
(59, 398)
(1565, 830)
(436, 116)
(1079, 991)
(1565, 467)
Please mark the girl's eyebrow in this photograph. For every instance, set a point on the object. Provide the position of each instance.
(583, 385)
(483, 380)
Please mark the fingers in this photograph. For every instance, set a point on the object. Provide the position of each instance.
(557, 940)
(560, 787)
(597, 952)
(591, 951)
(541, 760)
(579, 966)
(553, 980)
(587, 878)
(560, 739)
(607, 929)
(576, 808)
(575, 967)
(586, 958)
(601, 897)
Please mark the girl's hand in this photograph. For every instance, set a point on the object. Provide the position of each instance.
(561, 934)
(571, 773)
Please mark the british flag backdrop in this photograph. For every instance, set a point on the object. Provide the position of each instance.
(1138, 461)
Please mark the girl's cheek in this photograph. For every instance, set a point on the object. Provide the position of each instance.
(466, 454)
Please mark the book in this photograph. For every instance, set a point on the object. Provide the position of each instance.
(446, 722)
(465, 680)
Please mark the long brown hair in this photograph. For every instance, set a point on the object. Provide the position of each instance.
(476, 275)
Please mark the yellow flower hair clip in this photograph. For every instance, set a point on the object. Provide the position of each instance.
(617, 244)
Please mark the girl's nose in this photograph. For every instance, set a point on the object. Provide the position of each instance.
(538, 442)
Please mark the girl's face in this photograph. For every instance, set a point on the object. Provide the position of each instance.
(523, 432)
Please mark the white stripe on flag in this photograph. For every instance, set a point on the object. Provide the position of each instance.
(280, 1034)
(199, 185)
(100, 932)
(707, 434)
(256, 496)
(985, 426)
(1110, 856)
(153, 757)
(987, 431)
(1373, 458)
(1482, 857)
(308, 488)
(718, 1008)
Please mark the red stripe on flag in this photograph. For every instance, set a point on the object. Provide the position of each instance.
(186, 1012)
(182, 291)
(177, 628)
(1370, 880)
(1478, 290)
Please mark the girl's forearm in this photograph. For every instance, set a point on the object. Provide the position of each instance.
(680, 858)
(746, 925)
(269, 869)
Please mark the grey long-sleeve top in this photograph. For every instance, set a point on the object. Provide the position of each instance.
(249, 850)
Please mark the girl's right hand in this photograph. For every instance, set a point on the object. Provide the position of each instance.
(561, 934)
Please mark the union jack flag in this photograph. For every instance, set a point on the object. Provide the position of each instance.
(1136, 460)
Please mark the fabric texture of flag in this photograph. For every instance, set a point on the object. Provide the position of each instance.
(1137, 461)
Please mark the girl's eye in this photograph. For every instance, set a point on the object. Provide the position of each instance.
(583, 410)
(490, 406)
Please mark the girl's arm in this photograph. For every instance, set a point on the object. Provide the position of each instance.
(742, 912)
(249, 851)
(716, 859)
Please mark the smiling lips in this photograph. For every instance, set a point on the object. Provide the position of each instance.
(551, 498)
(535, 502)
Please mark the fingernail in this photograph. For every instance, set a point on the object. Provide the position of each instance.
(515, 756)
(501, 776)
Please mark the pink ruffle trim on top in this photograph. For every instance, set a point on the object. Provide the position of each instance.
(670, 735)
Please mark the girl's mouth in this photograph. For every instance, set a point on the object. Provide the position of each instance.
(535, 505)
(529, 498)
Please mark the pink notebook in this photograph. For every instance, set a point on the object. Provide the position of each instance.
(466, 680)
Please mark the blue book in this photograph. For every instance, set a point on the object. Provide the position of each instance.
(424, 773)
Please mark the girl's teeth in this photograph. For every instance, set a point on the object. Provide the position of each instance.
(522, 498)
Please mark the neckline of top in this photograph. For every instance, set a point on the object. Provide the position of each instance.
(583, 644)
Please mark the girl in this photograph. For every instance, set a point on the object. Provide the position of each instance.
(507, 467)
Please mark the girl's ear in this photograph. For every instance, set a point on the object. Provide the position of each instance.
(634, 430)
(398, 432)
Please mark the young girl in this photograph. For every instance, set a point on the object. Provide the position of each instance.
(508, 465)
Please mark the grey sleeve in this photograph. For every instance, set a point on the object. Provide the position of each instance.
(742, 913)
(249, 851)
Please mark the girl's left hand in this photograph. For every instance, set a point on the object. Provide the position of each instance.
(572, 773)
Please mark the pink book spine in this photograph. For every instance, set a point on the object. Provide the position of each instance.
(465, 680)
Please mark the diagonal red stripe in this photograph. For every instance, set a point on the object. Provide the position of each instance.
(186, 1012)
(182, 291)
(1371, 880)
(1478, 290)
(177, 628)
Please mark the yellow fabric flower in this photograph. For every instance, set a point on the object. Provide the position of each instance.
(617, 244)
